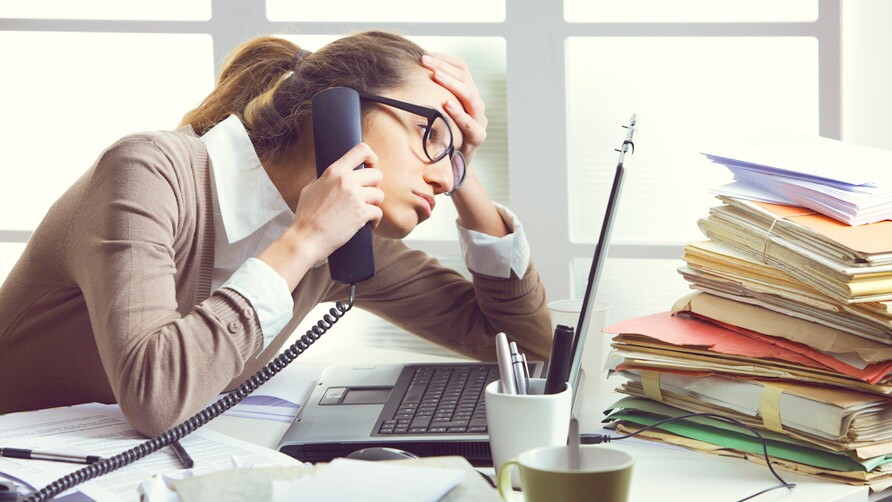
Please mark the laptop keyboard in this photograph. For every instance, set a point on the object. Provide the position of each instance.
(438, 400)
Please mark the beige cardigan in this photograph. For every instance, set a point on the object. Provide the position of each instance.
(111, 300)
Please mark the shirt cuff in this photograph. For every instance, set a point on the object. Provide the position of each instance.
(268, 293)
(496, 256)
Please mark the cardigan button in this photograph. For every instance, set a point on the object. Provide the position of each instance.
(234, 327)
(249, 313)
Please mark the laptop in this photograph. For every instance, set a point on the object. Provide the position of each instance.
(429, 409)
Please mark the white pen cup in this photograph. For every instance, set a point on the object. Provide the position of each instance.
(517, 423)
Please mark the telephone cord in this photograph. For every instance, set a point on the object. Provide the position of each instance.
(202, 417)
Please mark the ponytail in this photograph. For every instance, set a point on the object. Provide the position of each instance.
(269, 82)
(250, 70)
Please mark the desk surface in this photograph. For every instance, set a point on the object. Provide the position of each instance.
(661, 472)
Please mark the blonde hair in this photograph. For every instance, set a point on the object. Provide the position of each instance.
(268, 83)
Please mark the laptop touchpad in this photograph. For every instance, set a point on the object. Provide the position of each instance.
(377, 395)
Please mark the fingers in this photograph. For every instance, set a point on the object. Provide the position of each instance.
(355, 190)
(454, 66)
(473, 128)
(359, 154)
(467, 109)
(453, 74)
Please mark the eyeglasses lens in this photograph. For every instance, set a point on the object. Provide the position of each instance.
(458, 170)
(438, 139)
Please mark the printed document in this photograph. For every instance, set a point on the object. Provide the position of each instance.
(100, 429)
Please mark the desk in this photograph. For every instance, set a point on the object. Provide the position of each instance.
(661, 472)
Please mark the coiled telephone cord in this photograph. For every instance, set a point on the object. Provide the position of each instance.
(202, 417)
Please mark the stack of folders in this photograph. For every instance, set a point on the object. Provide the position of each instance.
(850, 264)
(789, 331)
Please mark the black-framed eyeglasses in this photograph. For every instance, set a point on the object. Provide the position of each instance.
(437, 139)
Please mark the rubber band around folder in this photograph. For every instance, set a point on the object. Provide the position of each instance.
(770, 228)
(650, 380)
(769, 406)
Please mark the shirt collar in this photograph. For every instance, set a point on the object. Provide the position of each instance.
(246, 196)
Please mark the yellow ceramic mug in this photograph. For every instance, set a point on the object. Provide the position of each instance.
(604, 475)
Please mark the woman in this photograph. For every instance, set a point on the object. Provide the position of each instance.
(180, 263)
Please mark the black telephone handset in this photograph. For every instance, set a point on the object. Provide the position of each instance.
(337, 127)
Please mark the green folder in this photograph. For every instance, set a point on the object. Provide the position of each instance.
(645, 412)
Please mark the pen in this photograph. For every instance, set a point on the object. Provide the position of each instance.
(506, 372)
(526, 372)
(517, 364)
(560, 360)
(43, 455)
(182, 455)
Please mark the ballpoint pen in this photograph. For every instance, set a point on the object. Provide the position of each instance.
(43, 455)
(526, 372)
(506, 372)
(517, 364)
(182, 455)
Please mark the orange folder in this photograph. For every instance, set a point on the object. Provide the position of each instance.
(685, 332)
(873, 238)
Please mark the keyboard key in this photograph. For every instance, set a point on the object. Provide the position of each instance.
(456, 429)
(420, 422)
(453, 423)
(414, 394)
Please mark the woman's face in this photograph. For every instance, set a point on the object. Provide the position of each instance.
(411, 180)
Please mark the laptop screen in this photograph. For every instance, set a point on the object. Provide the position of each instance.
(594, 275)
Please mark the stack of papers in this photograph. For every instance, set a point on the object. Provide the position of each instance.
(824, 413)
(849, 183)
(723, 438)
(697, 346)
(101, 429)
(772, 235)
(789, 330)
(717, 269)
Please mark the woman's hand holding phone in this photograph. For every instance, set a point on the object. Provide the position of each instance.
(331, 209)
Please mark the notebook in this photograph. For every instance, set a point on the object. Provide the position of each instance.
(431, 409)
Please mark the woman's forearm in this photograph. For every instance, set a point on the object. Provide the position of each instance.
(476, 210)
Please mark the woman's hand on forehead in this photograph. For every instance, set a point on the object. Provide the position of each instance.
(466, 108)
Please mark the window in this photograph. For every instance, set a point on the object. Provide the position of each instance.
(559, 79)
(401, 11)
(160, 10)
(79, 92)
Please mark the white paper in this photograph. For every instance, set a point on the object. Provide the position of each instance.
(847, 182)
(265, 408)
(98, 429)
(279, 400)
(809, 156)
(748, 191)
(351, 480)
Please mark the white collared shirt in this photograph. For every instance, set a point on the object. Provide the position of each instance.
(249, 214)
